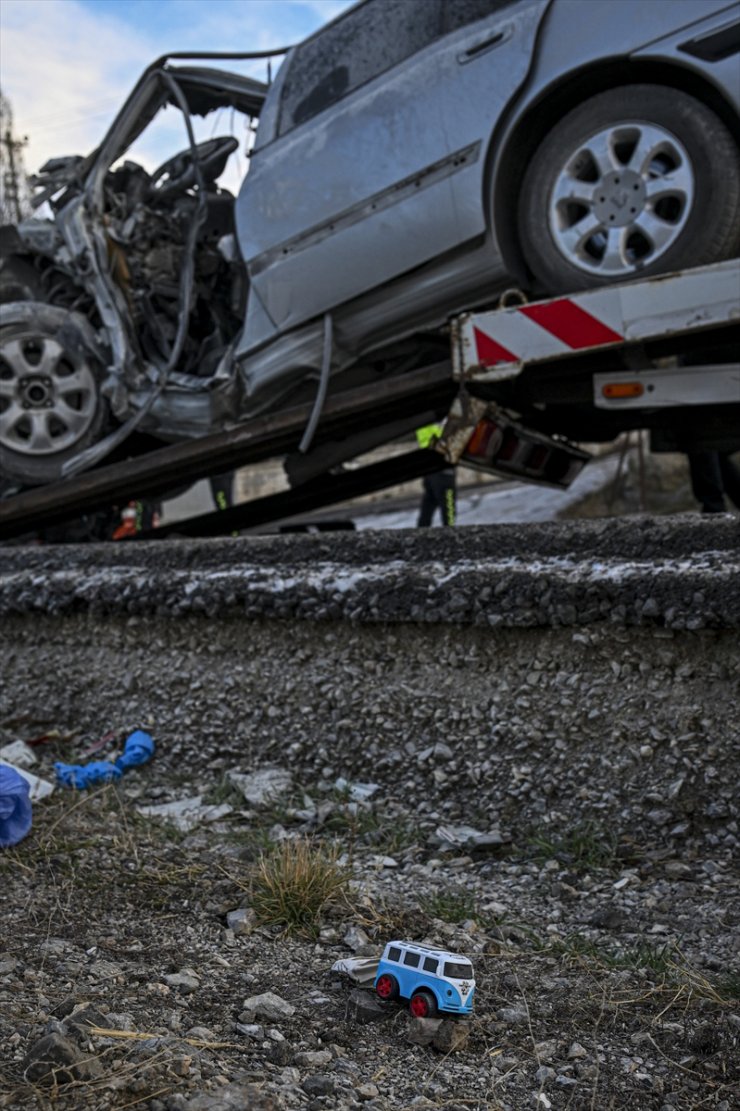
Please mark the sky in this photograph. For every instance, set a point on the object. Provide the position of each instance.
(67, 65)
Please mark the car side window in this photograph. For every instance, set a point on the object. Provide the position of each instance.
(430, 964)
(461, 12)
(355, 48)
(394, 953)
(411, 959)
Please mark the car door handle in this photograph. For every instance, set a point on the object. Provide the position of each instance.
(483, 45)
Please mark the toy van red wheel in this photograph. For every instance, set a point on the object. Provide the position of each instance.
(423, 1005)
(387, 987)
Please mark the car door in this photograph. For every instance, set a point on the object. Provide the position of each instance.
(357, 187)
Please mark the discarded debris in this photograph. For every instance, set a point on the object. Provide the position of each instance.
(186, 814)
(357, 792)
(21, 758)
(138, 749)
(263, 786)
(465, 837)
(15, 806)
(360, 970)
(19, 754)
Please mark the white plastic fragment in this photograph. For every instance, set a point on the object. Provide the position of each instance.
(361, 970)
(263, 786)
(18, 754)
(186, 814)
(39, 788)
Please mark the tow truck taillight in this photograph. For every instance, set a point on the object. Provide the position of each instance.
(485, 440)
(500, 444)
(615, 390)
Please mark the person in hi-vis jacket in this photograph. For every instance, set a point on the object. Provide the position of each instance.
(439, 488)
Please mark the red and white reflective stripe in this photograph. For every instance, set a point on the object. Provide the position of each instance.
(568, 322)
(547, 328)
(494, 346)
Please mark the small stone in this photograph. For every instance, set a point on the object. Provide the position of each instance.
(422, 1031)
(314, 1058)
(269, 1006)
(230, 1097)
(197, 1033)
(119, 1020)
(319, 1085)
(544, 1075)
(357, 940)
(452, 1036)
(513, 1015)
(185, 982)
(241, 921)
(251, 1030)
(55, 1060)
(366, 1091)
(363, 1007)
(576, 1052)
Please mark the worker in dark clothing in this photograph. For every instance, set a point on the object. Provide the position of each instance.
(714, 474)
(439, 488)
(222, 489)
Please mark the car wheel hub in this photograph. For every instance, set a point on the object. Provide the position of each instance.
(621, 199)
(48, 395)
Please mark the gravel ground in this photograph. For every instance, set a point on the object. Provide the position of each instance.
(522, 743)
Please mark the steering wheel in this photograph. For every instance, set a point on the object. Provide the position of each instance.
(178, 173)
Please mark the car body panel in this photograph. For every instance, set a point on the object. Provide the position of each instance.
(380, 192)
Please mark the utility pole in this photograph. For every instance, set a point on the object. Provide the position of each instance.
(13, 178)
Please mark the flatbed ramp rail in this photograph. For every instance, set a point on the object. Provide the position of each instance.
(420, 396)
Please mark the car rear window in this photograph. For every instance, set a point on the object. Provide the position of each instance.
(394, 953)
(369, 39)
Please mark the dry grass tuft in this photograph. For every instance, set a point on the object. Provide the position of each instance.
(295, 883)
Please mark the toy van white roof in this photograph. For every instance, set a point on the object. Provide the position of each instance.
(441, 954)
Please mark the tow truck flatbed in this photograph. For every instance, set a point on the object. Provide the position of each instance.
(521, 381)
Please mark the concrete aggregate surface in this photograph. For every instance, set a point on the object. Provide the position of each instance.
(523, 742)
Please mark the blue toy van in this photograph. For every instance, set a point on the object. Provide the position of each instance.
(432, 980)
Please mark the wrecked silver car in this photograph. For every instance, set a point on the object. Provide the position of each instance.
(411, 160)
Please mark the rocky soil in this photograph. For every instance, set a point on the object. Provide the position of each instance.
(520, 744)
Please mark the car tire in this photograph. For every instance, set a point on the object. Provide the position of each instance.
(636, 181)
(423, 1004)
(387, 987)
(20, 281)
(51, 405)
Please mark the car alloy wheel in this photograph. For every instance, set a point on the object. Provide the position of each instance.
(50, 402)
(621, 199)
(635, 181)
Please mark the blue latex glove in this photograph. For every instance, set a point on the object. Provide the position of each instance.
(138, 749)
(15, 807)
(86, 775)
